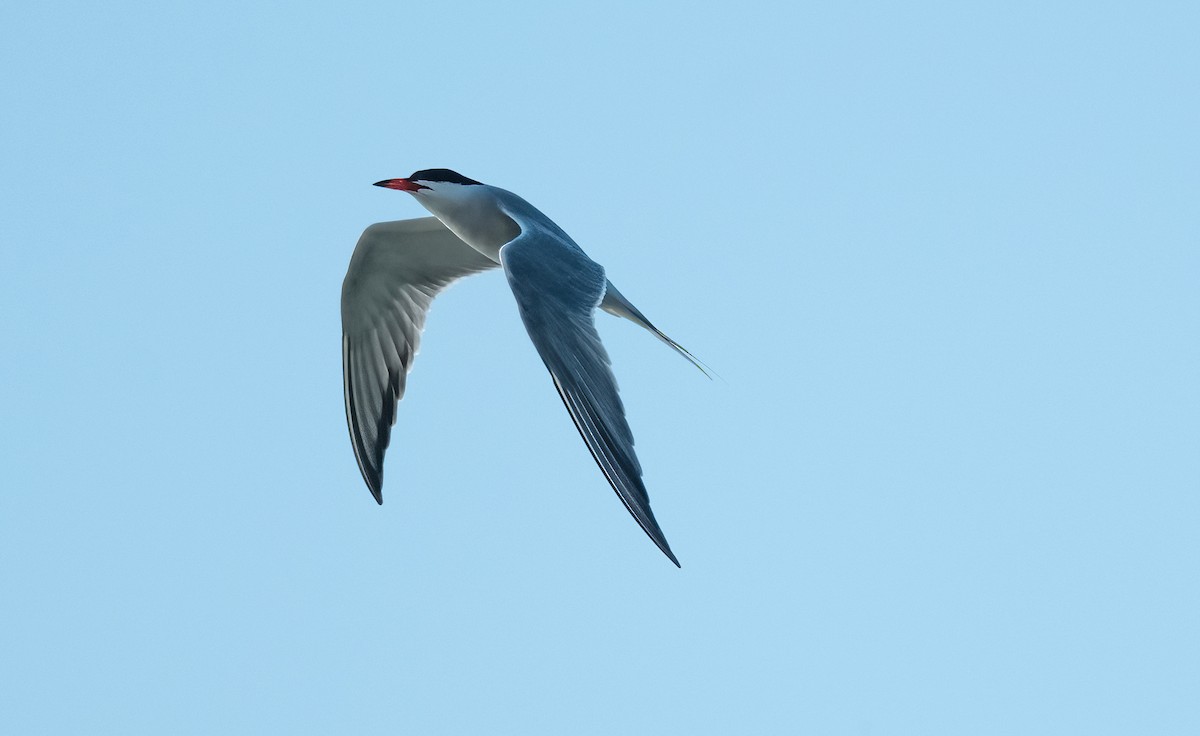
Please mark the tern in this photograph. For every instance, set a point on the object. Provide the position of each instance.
(399, 267)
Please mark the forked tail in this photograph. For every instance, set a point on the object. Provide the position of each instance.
(616, 304)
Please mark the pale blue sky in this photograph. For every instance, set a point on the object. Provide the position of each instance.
(944, 256)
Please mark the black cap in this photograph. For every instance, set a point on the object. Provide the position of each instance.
(446, 175)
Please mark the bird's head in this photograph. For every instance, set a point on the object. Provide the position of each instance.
(469, 208)
(436, 182)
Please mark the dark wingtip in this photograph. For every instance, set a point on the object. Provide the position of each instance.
(655, 533)
(661, 542)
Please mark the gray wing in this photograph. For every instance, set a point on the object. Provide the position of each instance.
(396, 271)
(557, 288)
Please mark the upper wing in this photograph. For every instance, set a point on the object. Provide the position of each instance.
(557, 289)
(395, 272)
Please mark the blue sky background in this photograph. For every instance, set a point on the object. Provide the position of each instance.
(944, 256)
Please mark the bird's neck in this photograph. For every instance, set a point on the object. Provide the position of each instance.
(478, 221)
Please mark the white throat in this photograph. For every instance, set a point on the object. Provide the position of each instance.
(472, 212)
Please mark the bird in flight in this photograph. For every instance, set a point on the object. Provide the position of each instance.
(399, 267)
